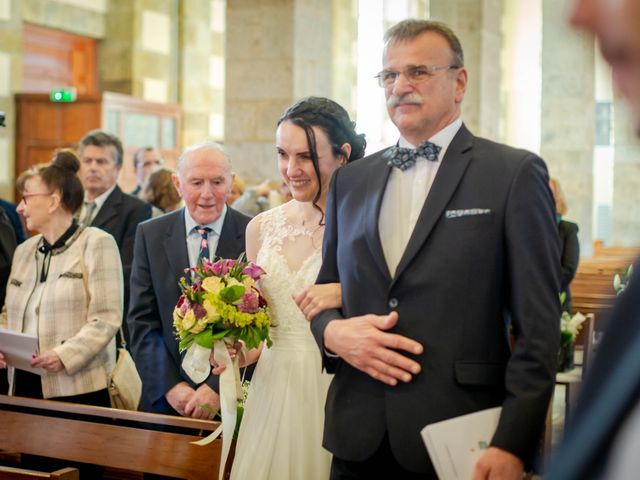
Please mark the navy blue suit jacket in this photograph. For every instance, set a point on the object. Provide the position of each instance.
(484, 255)
(159, 261)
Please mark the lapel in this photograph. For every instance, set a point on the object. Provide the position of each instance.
(454, 164)
(376, 185)
(231, 237)
(109, 209)
(175, 246)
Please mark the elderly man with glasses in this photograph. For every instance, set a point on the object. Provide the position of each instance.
(443, 244)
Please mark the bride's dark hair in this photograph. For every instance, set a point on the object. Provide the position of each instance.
(334, 120)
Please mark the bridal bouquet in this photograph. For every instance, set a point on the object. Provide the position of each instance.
(220, 305)
(219, 301)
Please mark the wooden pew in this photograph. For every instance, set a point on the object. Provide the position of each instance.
(10, 473)
(592, 288)
(630, 253)
(125, 440)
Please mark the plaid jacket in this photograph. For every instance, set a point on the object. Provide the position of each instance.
(80, 310)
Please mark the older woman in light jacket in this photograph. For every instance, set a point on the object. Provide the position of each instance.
(66, 288)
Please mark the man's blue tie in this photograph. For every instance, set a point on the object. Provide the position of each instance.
(404, 158)
(204, 242)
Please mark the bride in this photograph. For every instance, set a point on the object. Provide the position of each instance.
(281, 431)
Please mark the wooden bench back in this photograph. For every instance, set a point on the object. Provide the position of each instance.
(10, 473)
(592, 287)
(119, 439)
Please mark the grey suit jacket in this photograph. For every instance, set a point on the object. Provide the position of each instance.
(159, 261)
(484, 255)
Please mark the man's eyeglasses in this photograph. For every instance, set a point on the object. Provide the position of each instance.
(415, 74)
(25, 196)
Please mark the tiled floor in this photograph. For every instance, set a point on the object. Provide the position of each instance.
(558, 414)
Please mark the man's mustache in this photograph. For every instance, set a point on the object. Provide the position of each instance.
(408, 99)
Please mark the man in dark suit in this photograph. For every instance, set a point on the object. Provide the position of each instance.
(164, 247)
(603, 435)
(145, 161)
(106, 206)
(437, 259)
(10, 210)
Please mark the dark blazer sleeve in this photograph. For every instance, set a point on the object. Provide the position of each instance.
(138, 213)
(155, 364)
(328, 274)
(7, 247)
(532, 256)
(570, 251)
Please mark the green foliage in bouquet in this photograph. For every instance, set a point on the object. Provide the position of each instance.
(220, 301)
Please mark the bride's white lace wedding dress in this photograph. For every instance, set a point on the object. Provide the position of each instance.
(280, 436)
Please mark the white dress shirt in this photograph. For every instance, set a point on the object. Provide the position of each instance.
(405, 195)
(99, 201)
(194, 238)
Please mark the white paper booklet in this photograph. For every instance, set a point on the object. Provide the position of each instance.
(456, 444)
(18, 349)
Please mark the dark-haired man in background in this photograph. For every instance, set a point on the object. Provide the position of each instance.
(106, 206)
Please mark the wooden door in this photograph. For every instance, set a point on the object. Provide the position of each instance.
(54, 59)
(42, 126)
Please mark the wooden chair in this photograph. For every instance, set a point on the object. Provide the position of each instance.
(10, 473)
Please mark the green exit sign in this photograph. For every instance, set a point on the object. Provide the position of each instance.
(63, 95)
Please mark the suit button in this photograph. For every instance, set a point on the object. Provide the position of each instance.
(393, 303)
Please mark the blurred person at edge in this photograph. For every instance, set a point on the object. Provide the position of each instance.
(161, 193)
(237, 189)
(145, 161)
(66, 288)
(569, 244)
(602, 439)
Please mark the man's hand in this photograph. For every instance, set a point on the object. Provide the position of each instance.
(316, 298)
(178, 397)
(498, 464)
(363, 343)
(3, 361)
(204, 395)
(49, 360)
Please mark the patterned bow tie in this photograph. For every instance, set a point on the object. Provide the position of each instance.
(404, 158)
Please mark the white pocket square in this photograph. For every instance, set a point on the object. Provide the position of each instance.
(465, 212)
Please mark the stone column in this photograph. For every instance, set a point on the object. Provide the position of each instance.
(477, 25)
(568, 114)
(10, 78)
(277, 51)
(344, 55)
(139, 54)
(625, 215)
(202, 70)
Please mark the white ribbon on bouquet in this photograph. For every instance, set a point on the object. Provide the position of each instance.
(230, 391)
